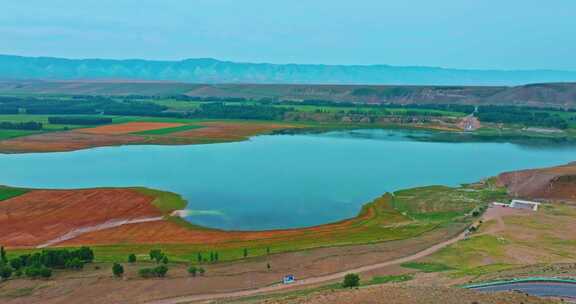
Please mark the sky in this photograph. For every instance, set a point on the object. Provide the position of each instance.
(479, 34)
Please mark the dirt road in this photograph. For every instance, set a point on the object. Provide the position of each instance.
(106, 225)
(310, 281)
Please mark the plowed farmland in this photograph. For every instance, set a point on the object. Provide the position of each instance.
(65, 141)
(38, 216)
(230, 130)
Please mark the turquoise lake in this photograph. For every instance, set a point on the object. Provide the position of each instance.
(280, 181)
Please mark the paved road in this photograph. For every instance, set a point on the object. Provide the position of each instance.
(541, 289)
(313, 280)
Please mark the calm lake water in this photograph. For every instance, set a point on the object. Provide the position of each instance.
(279, 181)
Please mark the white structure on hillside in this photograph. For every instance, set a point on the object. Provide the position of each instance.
(521, 204)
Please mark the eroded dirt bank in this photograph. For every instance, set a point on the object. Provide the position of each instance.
(556, 183)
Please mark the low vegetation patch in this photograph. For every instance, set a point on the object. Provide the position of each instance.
(427, 267)
(169, 130)
(167, 202)
(391, 279)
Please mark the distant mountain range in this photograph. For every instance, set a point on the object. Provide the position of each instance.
(212, 71)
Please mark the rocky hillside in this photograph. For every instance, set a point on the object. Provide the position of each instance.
(215, 71)
(557, 183)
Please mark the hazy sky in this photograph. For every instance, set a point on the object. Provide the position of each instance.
(502, 34)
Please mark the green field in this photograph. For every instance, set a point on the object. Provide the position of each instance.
(7, 192)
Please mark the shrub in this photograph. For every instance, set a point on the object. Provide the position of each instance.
(132, 258)
(117, 270)
(192, 270)
(202, 271)
(45, 272)
(74, 263)
(35, 272)
(158, 271)
(5, 272)
(16, 263)
(32, 272)
(161, 271)
(351, 280)
(146, 272)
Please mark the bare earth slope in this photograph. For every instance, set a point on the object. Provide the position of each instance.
(557, 183)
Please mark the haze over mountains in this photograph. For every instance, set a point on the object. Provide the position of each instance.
(215, 71)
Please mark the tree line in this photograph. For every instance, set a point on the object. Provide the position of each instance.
(79, 120)
(30, 125)
(41, 264)
(517, 115)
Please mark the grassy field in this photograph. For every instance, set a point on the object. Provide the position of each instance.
(519, 239)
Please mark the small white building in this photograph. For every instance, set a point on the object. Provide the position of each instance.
(521, 204)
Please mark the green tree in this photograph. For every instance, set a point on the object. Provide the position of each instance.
(156, 255)
(268, 250)
(202, 271)
(165, 260)
(351, 280)
(86, 254)
(3, 258)
(245, 252)
(131, 258)
(117, 270)
(199, 257)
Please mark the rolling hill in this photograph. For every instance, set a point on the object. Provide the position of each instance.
(557, 95)
(215, 71)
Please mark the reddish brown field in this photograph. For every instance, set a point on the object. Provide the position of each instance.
(116, 135)
(64, 141)
(42, 215)
(230, 130)
(130, 127)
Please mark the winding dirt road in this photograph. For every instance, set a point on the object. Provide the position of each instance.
(312, 280)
